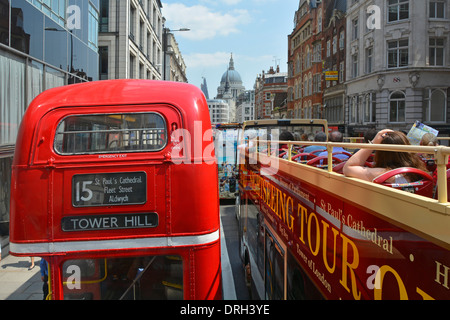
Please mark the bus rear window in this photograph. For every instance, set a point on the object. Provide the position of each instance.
(137, 278)
(111, 133)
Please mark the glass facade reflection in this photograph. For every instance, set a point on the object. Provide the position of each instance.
(62, 34)
(43, 44)
(4, 22)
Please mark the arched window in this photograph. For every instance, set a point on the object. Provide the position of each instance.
(299, 89)
(310, 83)
(298, 64)
(308, 58)
(397, 107)
(291, 93)
(435, 105)
(353, 109)
(369, 105)
(305, 86)
(319, 21)
(309, 110)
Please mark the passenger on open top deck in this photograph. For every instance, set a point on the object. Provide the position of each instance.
(336, 136)
(428, 140)
(384, 160)
(283, 148)
(319, 137)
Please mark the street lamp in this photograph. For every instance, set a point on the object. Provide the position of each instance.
(165, 45)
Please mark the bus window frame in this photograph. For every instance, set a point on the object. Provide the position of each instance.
(101, 258)
(127, 113)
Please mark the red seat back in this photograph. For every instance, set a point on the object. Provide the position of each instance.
(323, 160)
(423, 186)
(339, 168)
(303, 156)
(345, 153)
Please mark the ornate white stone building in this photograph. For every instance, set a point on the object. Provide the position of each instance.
(398, 64)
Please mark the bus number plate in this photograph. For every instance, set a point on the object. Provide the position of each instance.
(109, 189)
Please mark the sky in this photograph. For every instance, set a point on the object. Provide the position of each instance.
(254, 31)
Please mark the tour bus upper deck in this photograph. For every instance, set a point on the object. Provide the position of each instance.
(309, 232)
(99, 182)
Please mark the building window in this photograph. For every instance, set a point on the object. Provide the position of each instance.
(132, 23)
(104, 62)
(333, 109)
(104, 15)
(13, 90)
(397, 107)
(298, 65)
(435, 105)
(354, 109)
(369, 60)
(132, 66)
(308, 58)
(342, 40)
(310, 84)
(370, 107)
(398, 10)
(398, 53)
(93, 28)
(437, 9)
(334, 44)
(55, 9)
(317, 83)
(341, 72)
(305, 86)
(317, 52)
(355, 29)
(308, 110)
(319, 21)
(355, 65)
(436, 52)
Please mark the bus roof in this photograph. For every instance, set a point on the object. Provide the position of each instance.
(118, 92)
(186, 98)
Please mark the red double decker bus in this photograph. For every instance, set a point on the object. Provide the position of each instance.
(309, 232)
(107, 190)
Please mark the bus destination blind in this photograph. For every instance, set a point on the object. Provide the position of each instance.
(109, 189)
(110, 222)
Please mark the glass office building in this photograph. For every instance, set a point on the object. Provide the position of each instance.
(43, 44)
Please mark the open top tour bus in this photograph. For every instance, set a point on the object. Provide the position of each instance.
(309, 232)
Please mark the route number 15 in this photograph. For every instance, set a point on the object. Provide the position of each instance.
(83, 193)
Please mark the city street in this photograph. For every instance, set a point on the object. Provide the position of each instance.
(234, 263)
(19, 283)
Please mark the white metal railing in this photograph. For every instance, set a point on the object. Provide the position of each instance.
(441, 156)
